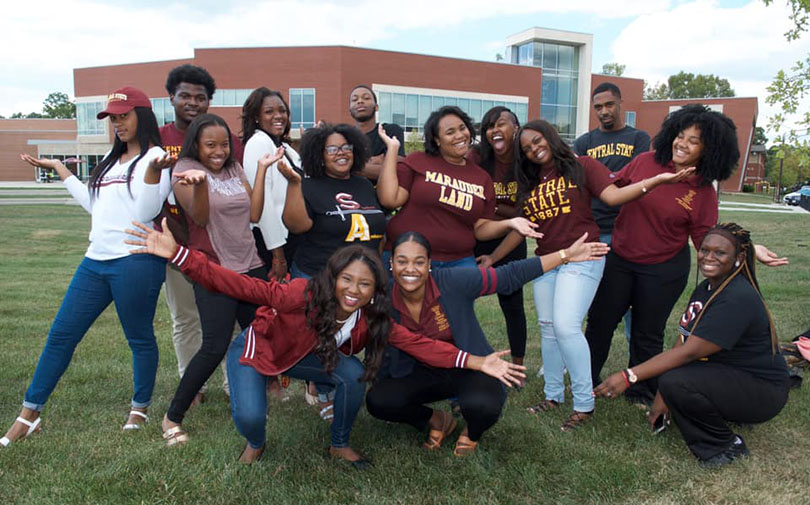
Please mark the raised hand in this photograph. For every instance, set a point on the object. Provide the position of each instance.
(671, 178)
(165, 161)
(586, 251)
(392, 143)
(291, 175)
(152, 241)
(191, 177)
(524, 227)
(505, 371)
(268, 159)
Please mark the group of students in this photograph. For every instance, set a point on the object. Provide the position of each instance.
(463, 212)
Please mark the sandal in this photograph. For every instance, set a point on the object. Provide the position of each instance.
(33, 426)
(328, 413)
(543, 406)
(436, 437)
(464, 447)
(575, 420)
(361, 464)
(257, 457)
(136, 426)
(175, 436)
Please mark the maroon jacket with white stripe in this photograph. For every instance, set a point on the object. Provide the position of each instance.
(279, 336)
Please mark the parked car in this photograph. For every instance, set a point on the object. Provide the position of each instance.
(796, 196)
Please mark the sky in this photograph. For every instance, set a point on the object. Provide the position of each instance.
(41, 42)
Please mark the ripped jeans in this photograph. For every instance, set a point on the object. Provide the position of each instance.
(562, 297)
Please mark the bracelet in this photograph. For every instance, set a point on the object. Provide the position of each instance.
(626, 380)
(563, 257)
(643, 186)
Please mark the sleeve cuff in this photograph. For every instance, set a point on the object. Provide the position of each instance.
(180, 256)
(461, 359)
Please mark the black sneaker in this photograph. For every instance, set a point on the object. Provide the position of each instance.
(737, 450)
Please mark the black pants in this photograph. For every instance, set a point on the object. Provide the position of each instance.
(511, 304)
(480, 396)
(703, 396)
(218, 313)
(652, 291)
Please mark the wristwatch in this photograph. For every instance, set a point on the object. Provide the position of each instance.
(631, 377)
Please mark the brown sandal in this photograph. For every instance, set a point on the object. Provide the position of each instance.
(543, 406)
(464, 447)
(575, 420)
(436, 437)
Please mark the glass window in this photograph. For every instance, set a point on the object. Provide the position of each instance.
(412, 110)
(525, 54)
(630, 118)
(385, 107)
(438, 102)
(549, 91)
(86, 122)
(486, 105)
(549, 113)
(302, 107)
(425, 108)
(566, 55)
(475, 110)
(522, 112)
(464, 104)
(449, 100)
(550, 56)
(537, 60)
(564, 90)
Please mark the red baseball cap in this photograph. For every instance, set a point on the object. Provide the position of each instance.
(124, 100)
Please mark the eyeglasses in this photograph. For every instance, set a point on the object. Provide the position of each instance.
(333, 150)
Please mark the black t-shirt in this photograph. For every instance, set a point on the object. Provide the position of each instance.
(343, 212)
(377, 146)
(736, 320)
(614, 150)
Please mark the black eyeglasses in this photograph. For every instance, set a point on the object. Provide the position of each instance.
(333, 150)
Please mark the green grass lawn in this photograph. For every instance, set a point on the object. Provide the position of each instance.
(747, 197)
(83, 457)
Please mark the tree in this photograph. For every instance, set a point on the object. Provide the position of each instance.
(498, 57)
(413, 143)
(795, 167)
(58, 105)
(688, 85)
(30, 115)
(759, 136)
(613, 68)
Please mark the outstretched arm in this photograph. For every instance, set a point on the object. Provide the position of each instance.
(74, 186)
(614, 195)
(389, 192)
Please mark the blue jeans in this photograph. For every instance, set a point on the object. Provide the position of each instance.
(467, 261)
(133, 283)
(297, 273)
(562, 297)
(607, 238)
(249, 393)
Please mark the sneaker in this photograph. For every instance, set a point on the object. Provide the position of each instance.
(737, 450)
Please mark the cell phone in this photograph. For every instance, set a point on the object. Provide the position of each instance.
(660, 424)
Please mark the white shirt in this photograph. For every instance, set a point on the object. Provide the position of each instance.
(273, 230)
(113, 208)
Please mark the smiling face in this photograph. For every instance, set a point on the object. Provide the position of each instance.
(354, 288)
(608, 108)
(361, 105)
(501, 134)
(716, 258)
(453, 138)
(125, 126)
(410, 266)
(213, 147)
(535, 146)
(190, 101)
(687, 148)
(273, 116)
(338, 165)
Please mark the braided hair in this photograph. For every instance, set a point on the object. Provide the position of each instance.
(741, 238)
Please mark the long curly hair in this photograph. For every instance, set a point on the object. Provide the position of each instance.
(485, 152)
(527, 173)
(314, 140)
(721, 151)
(322, 309)
(741, 239)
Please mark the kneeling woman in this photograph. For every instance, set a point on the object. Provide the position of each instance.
(311, 330)
(725, 368)
(439, 304)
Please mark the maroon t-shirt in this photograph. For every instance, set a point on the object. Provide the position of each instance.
(432, 322)
(562, 209)
(444, 202)
(655, 227)
(172, 140)
(503, 179)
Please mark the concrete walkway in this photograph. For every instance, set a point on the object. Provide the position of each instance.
(775, 208)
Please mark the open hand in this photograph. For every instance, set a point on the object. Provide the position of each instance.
(659, 408)
(525, 227)
(152, 241)
(505, 371)
(768, 257)
(191, 177)
(671, 178)
(165, 161)
(392, 143)
(41, 162)
(268, 159)
(586, 251)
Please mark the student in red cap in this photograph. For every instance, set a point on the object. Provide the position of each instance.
(117, 194)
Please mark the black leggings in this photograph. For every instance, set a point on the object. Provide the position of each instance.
(652, 291)
(401, 400)
(703, 397)
(218, 313)
(511, 304)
